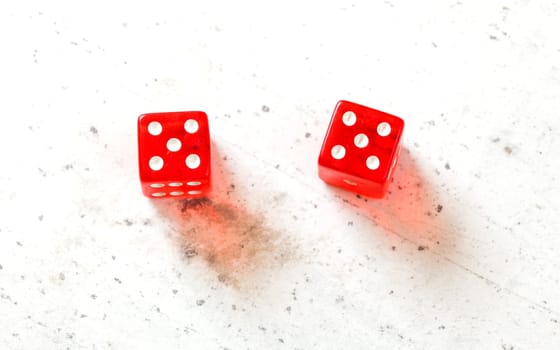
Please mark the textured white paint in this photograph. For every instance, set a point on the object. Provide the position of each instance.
(462, 254)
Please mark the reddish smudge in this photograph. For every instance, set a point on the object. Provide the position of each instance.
(236, 243)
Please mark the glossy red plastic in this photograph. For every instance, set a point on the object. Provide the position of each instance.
(174, 154)
(360, 149)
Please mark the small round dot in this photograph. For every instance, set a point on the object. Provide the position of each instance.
(349, 118)
(177, 193)
(361, 140)
(384, 129)
(175, 184)
(192, 161)
(338, 152)
(350, 182)
(155, 128)
(193, 193)
(193, 183)
(191, 126)
(157, 185)
(173, 144)
(156, 163)
(158, 194)
(372, 162)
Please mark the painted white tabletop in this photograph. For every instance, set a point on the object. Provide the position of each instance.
(463, 252)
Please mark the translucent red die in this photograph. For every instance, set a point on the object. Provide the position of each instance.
(174, 154)
(361, 149)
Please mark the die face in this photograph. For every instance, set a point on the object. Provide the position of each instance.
(174, 154)
(360, 149)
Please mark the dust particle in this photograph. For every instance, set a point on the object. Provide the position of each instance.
(93, 296)
(200, 302)
(439, 208)
(508, 150)
(61, 276)
(190, 252)
(93, 130)
(40, 217)
(19, 243)
(393, 248)
(118, 280)
(496, 140)
(175, 291)
(1, 267)
(422, 247)
(265, 108)
(128, 222)
(307, 135)
(447, 166)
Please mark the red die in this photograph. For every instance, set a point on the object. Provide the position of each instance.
(360, 149)
(174, 154)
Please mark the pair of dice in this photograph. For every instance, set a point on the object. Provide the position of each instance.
(359, 152)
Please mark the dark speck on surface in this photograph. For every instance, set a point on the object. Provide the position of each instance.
(447, 166)
(508, 150)
(40, 217)
(187, 204)
(265, 108)
(117, 280)
(422, 247)
(307, 135)
(200, 302)
(281, 340)
(439, 208)
(19, 243)
(93, 130)
(1, 267)
(393, 248)
(61, 276)
(93, 296)
(190, 252)
(493, 37)
(128, 222)
(350, 223)
(496, 140)
(68, 167)
(175, 291)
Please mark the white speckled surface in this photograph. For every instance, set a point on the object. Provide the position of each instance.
(462, 254)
